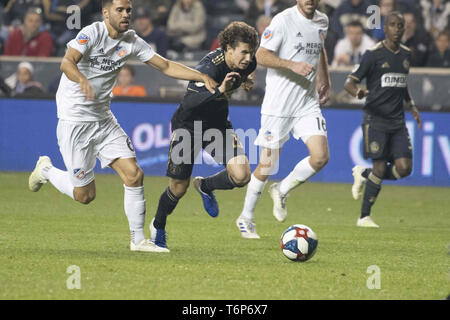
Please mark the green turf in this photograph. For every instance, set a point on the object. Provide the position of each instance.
(42, 234)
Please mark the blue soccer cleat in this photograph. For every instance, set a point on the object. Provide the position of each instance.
(209, 200)
(158, 237)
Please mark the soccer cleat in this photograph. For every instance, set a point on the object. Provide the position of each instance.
(247, 228)
(159, 237)
(366, 222)
(209, 200)
(146, 245)
(358, 182)
(36, 180)
(279, 202)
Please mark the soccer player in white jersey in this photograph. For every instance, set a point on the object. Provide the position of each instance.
(87, 129)
(292, 48)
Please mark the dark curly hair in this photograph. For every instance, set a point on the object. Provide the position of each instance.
(238, 31)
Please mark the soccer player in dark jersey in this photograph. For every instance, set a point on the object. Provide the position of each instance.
(201, 122)
(385, 136)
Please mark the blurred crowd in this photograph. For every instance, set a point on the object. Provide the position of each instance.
(180, 29)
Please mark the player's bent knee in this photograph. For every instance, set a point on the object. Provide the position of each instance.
(318, 162)
(240, 175)
(241, 179)
(179, 187)
(134, 178)
(404, 171)
(84, 198)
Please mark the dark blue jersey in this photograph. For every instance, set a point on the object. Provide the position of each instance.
(201, 105)
(386, 73)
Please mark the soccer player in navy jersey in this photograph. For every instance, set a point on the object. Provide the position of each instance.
(385, 136)
(201, 114)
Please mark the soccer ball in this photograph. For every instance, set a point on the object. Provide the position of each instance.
(299, 243)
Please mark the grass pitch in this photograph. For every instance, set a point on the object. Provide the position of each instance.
(42, 234)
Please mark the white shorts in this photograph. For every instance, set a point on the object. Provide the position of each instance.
(275, 131)
(80, 143)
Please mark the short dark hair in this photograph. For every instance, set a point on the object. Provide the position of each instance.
(397, 14)
(34, 10)
(444, 33)
(238, 31)
(106, 3)
(355, 23)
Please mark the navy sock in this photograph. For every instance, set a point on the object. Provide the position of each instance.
(390, 174)
(373, 187)
(219, 181)
(166, 205)
(366, 172)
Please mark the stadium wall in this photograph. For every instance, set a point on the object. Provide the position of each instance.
(28, 129)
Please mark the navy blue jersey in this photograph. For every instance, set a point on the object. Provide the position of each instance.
(201, 105)
(386, 73)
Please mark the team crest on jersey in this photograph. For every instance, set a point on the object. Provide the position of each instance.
(174, 169)
(406, 64)
(79, 173)
(267, 34)
(130, 144)
(374, 147)
(268, 135)
(82, 38)
(121, 51)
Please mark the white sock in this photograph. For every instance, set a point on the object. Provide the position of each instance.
(134, 205)
(59, 179)
(254, 189)
(301, 173)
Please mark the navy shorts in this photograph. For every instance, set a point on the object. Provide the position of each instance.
(386, 145)
(223, 145)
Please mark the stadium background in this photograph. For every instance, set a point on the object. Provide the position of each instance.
(43, 235)
(28, 122)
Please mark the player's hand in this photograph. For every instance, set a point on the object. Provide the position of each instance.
(302, 68)
(209, 82)
(229, 81)
(416, 114)
(248, 84)
(87, 89)
(324, 93)
(361, 93)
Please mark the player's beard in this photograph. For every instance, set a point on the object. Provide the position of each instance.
(308, 9)
(118, 26)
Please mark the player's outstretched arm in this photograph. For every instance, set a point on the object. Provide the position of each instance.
(179, 71)
(323, 78)
(198, 96)
(269, 59)
(70, 69)
(413, 108)
(351, 87)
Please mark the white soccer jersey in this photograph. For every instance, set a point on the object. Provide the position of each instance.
(293, 37)
(101, 62)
